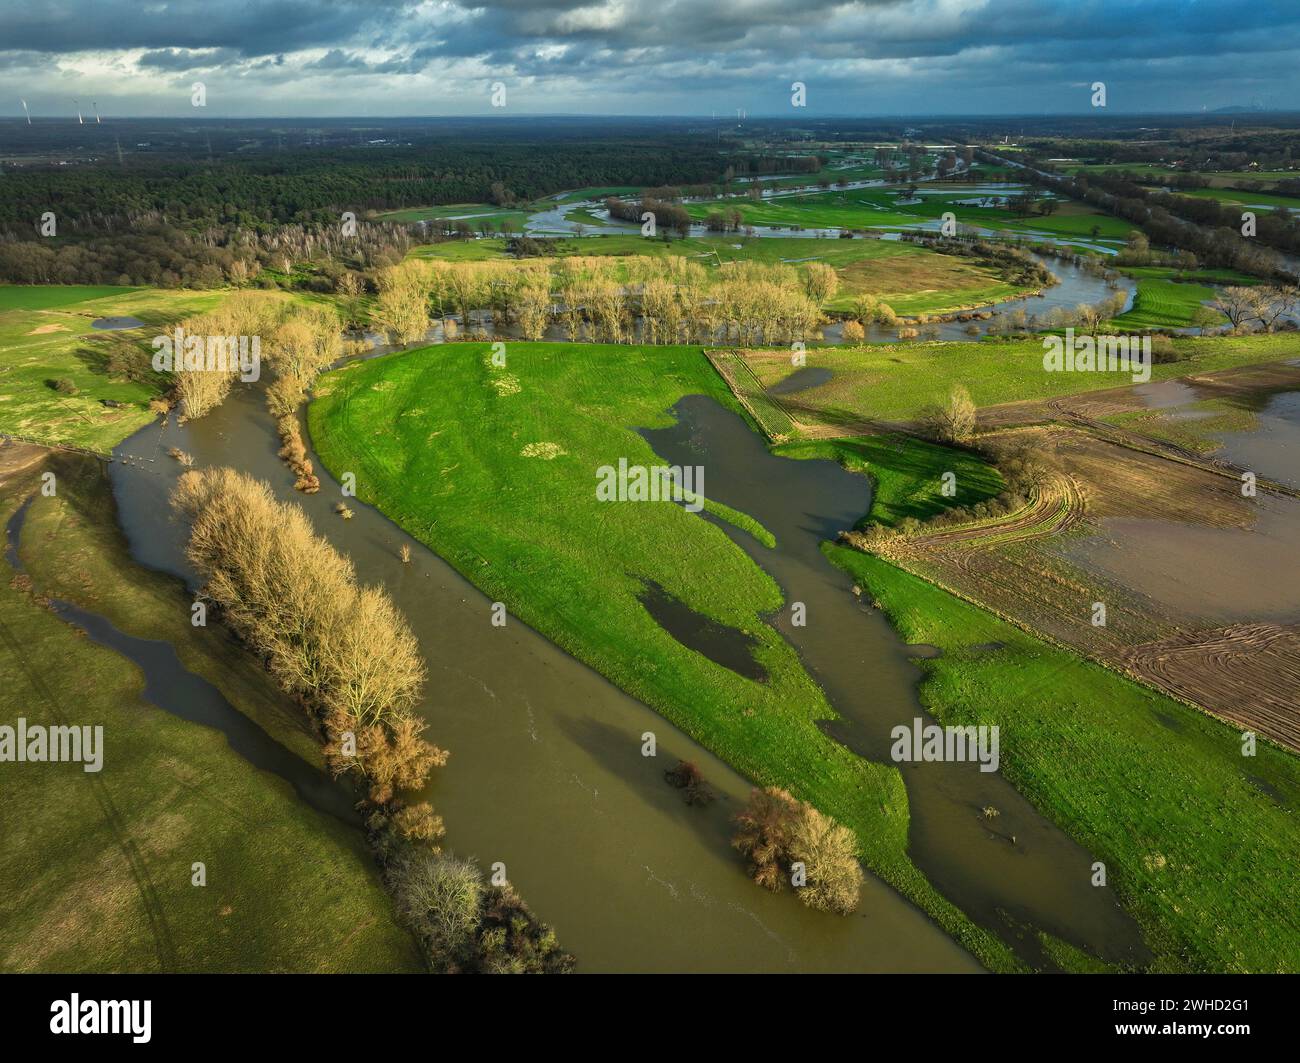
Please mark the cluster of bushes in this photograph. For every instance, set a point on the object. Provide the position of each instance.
(668, 217)
(787, 841)
(467, 925)
(688, 778)
(729, 220)
(294, 453)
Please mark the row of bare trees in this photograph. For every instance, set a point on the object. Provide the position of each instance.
(662, 300)
(294, 341)
(347, 655)
(1265, 306)
(343, 650)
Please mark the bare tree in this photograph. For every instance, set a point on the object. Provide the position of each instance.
(954, 421)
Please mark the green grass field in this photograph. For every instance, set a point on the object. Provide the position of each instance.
(1193, 843)
(97, 869)
(472, 214)
(866, 208)
(46, 335)
(1246, 200)
(47, 296)
(530, 532)
(896, 382)
(906, 473)
(1162, 303)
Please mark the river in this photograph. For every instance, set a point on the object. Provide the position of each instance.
(546, 773)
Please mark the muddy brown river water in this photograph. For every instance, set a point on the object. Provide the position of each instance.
(1022, 873)
(547, 775)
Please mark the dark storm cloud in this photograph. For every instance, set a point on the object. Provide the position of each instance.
(246, 27)
(920, 55)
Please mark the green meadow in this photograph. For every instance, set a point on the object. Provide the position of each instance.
(46, 296)
(906, 473)
(896, 382)
(1231, 197)
(46, 335)
(1163, 303)
(98, 868)
(472, 214)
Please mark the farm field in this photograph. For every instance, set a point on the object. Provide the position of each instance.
(97, 875)
(514, 509)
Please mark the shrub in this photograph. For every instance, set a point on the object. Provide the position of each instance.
(64, 386)
(465, 925)
(686, 776)
(854, 332)
(439, 897)
(776, 831)
(954, 422)
(833, 876)
(418, 822)
(763, 836)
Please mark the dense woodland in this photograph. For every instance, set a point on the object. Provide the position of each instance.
(260, 191)
(181, 221)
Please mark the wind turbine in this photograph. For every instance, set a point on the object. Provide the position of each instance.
(96, 107)
(80, 120)
(27, 112)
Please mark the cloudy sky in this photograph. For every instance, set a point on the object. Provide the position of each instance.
(676, 57)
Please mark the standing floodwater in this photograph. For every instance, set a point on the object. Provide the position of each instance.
(1022, 875)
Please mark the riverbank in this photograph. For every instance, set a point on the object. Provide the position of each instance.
(1196, 839)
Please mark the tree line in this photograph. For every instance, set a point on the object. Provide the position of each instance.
(1212, 235)
(346, 654)
(666, 299)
